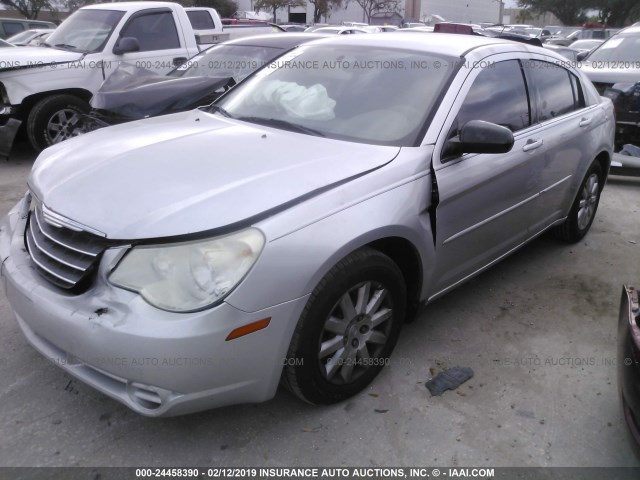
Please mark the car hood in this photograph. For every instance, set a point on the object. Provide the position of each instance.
(624, 73)
(132, 93)
(29, 57)
(191, 172)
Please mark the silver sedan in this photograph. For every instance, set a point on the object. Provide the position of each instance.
(285, 233)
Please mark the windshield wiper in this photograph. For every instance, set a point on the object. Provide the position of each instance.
(219, 109)
(65, 46)
(276, 122)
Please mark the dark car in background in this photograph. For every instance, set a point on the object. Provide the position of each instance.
(132, 93)
(629, 363)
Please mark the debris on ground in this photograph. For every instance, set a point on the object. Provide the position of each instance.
(450, 379)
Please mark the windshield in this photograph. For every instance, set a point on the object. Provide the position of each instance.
(371, 95)
(625, 48)
(22, 36)
(235, 61)
(85, 30)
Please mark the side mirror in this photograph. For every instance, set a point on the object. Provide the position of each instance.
(126, 45)
(582, 55)
(478, 136)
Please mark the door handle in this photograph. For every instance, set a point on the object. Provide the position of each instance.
(585, 121)
(179, 61)
(532, 145)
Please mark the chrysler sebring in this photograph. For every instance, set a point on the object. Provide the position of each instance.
(284, 234)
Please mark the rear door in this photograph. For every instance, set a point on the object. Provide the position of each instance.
(564, 125)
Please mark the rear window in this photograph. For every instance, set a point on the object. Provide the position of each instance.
(201, 20)
(11, 28)
(40, 25)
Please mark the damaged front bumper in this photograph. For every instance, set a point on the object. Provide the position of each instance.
(155, 362)
(626, 100)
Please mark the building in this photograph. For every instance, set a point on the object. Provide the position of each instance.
(473, 11)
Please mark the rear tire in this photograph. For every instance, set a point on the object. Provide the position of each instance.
(55, 119)
(584, 207)
(347, 330)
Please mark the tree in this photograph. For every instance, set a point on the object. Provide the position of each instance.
(274, 5)
(321, 8)
(73, 5)
(369, 7)
(616, 13)
(569, 12)
(28, 8)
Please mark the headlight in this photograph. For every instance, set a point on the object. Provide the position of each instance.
(189, 276)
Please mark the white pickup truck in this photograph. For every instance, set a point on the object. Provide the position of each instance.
(48, 88)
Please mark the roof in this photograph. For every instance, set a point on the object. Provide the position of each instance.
(439, 43)
(126, 6)
(633, 30)
(283, 40)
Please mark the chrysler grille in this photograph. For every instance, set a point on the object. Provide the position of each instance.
(65, 257)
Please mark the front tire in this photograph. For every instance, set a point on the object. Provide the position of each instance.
(584, 207)
(55, 119)
(347, 330)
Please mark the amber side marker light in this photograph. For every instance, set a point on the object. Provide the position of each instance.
(248, 328)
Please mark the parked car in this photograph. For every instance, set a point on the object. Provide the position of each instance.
(11, 26)
(532, 32)
(583, 34)
(629, 363)
(614, 69)
(586, 45)
(28, 36)
(293, 28)
(288, 230)
(49, 87)
(472, 29)
(132, 93)
(340, 30)
(314, 27)
(566, 52)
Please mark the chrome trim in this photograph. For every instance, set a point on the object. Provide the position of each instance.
(75, 249)
(556, 184)
(49, 271)
(56, 220)
(490, 219)
(50, 255)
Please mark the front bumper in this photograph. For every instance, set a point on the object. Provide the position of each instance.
(155, 362)
(629, 363)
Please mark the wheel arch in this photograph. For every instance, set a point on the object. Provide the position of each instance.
(605, 163)
(406, 256)
(28, 102)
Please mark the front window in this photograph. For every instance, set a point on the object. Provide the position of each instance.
(85, 31)
(508, 106)
(364, 94)
(154, 31)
